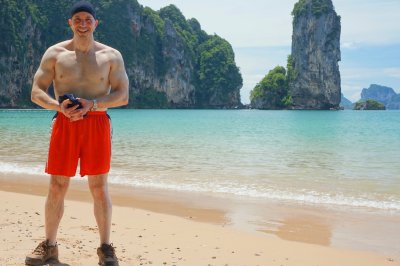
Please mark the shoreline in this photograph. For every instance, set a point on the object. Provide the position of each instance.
(307, 225)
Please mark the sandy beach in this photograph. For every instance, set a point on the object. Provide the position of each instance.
(160, 231)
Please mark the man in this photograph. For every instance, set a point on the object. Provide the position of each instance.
(96, 75)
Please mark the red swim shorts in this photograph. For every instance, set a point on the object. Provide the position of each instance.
(87, 140)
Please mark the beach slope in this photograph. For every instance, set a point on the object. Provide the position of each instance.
(143, 237)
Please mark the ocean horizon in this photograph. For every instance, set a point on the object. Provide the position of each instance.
(341, 159)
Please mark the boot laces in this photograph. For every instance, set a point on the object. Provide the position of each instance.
(108, 250)
(40, 249)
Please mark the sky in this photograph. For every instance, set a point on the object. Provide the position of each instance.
(260, 34)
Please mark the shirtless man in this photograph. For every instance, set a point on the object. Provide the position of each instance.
(96, 75)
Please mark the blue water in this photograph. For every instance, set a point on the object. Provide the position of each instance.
(334, 158)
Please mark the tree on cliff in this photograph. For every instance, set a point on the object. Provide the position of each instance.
(218, 75)
(273, 90)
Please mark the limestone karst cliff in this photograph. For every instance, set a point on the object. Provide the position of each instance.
(315, 53)
(312, 77)
(167, 57)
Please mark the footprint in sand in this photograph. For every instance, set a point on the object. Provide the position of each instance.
(89, 229)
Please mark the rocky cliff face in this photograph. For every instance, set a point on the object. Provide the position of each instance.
(315, 51)
(394, 103)
(169, 71)
(16, 72)
(161, 50)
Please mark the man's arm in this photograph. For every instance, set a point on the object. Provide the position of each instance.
(42, 80)
(119, 83)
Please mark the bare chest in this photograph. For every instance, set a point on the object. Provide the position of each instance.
(73, 70)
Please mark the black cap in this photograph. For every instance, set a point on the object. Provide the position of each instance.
(83, 6)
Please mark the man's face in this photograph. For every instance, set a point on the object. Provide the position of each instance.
(83, 24)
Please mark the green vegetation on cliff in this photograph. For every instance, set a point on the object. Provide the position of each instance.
(318, 7)
(299, 7)
(171, 62)
(23, 43)
(150, 98)
(218, 74)
(291, 72)
(182, 27)
(273, 90)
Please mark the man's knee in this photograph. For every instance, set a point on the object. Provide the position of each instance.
(98, 186)
(58, 185)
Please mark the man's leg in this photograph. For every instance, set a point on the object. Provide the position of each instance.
(102, 205)
(103, 212)
(47, 251)
(54, 208)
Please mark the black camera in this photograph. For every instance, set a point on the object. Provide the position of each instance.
(70, 97)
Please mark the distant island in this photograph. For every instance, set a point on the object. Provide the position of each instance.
(369, 105)
(375, 97)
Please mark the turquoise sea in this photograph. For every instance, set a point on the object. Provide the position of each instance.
(340, 159)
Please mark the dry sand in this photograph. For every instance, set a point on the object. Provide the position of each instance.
(157, 233)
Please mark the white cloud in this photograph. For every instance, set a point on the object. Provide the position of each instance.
(369, 21)
(392, 72)
(352, 91)
(348, 45)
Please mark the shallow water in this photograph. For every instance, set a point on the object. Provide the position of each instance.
(345, 159)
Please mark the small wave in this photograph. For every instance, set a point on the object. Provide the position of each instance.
(15, 168)
(305, 197)
(247, 191)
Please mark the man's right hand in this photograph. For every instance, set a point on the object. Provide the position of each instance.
(73, 113)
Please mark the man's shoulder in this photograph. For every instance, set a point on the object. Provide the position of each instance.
(102, 48)
(58, 48)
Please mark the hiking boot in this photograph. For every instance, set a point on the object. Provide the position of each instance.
(107, 255)
(42, 254)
